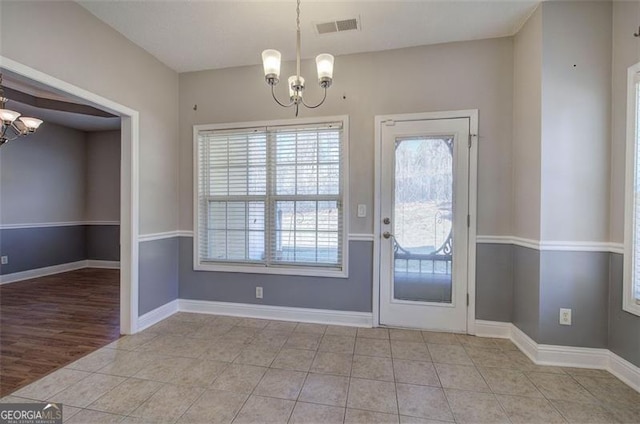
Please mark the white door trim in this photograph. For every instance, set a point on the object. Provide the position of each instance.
(129, 178)
(472, 115)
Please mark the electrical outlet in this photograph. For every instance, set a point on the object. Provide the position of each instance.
(4, 260)
(362, 211)
(565, 316)
(258, 292)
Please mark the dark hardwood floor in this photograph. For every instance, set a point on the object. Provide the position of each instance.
(48, 322)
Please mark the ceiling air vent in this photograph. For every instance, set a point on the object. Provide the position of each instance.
(338, 26)
(347, 24)
(327, 27)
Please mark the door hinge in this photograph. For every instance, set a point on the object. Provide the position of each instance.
(467, 299)
(470, 140)
(468, 221)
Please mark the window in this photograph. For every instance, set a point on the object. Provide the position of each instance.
(631, 281)
(270, 197)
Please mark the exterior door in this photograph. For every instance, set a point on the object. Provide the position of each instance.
(424, 196)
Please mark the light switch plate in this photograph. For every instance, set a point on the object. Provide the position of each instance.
(4, 260)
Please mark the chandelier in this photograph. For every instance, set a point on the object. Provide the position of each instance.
(14, 125)
(271, 63)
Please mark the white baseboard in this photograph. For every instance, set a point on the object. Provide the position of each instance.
(566, 356)
(496, 329)
(153, 317)
(93, 263)
(525, 343)
(57, 269)
(41, 272)
(319, 316)
(624, 370)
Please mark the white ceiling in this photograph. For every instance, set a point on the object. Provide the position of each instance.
(197, 35)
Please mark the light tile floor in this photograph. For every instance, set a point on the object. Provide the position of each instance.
(193, 368)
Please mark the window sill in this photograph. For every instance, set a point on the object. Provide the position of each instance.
(631, 306)
(274, 270)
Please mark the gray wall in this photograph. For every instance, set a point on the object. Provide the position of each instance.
(59, 175)
(579, 281)
(540, 283)
(526, 290)
(103, 242)
(39, 247)
(31, 248)
(351, 294)
(494, 282)
(102, 201)
(42, 177)
(158, 273)
(528, 287)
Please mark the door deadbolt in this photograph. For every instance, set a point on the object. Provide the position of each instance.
(386, 221)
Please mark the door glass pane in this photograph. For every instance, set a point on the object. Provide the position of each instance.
(422, 219)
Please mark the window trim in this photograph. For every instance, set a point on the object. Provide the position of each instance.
(309, 271)
(629, 303)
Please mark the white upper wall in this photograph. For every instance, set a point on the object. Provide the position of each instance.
(465, 75)
(527, 109)
(64, 40)
(626, 52)
(576, 132)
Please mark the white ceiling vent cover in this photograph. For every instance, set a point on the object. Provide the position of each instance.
(338, 26)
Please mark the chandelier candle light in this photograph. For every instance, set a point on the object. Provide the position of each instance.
(14, 125)
(271, 63)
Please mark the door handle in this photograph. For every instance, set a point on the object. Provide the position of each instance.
(387, 234)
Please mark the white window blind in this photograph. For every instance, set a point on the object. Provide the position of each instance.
(636, 197)
(271, 196)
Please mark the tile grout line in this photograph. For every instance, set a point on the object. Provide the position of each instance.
(141, 403)
(261, 378)
(506, 414)
(435, 370)
(265, 373)
(549, 400)
(305, 377)
(393, 371)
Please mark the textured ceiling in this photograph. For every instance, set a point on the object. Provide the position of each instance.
(197, 35)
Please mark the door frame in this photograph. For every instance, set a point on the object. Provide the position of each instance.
(472, 115)
(129, 187)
